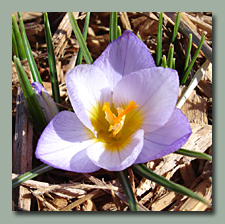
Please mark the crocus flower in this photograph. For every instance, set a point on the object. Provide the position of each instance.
(124, 112)
(47, 104)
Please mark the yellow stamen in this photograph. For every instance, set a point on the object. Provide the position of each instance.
(116, 123)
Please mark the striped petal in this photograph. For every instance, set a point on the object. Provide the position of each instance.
(88, 90)
(117, 155)
(123, 56)
(167, 139)
(155, 90)
(63, 144)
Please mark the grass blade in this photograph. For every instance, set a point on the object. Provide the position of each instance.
(80, 39)
(197, 155)
(119, 32)
(170, 56)
(113, 26)
(188, 52)
(31, 174)
(51, 61)
(14, 45)
(33, 67)
(125, 183)
(39, 119)
(19, 41)
(164, 63)
(187, 71)
(142, 170)
(159, 41)
(84, 34)
(176, 26)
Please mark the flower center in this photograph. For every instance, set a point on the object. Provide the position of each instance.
(116, 123)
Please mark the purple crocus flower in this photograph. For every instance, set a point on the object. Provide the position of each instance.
(124, 113)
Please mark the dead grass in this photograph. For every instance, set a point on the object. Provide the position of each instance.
(59, 190)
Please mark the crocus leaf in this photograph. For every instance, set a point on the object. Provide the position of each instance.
(19, 42)
(176, 26)
(187, 71)
(33, 67)
(142, 170)
(197, 155)
(14, 45)
(119, 31)
(188, 52)
(164, 63)
(159, 41)
(80, 39)
(113, 26)
(31, 100)
(51, 61)
(125, 183)
(170, 56)
(31, 174)
(84, 33)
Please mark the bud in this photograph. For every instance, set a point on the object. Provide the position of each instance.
(47, 104)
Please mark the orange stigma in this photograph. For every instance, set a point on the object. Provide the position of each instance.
(116, 123)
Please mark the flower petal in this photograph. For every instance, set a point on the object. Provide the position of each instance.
(63, 144)
(123, 56)
(117, 156)
(88, 90)
(167, 139)
(155, 90)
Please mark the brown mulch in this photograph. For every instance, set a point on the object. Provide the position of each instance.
(59, 190)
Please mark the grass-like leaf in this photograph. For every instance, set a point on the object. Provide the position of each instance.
(31, 174)
(80, 39)
(164, 63)
(176, 26)
(14, 45)
(31, 100)
(119, 32)
(187, 71)
(19, 41)
(125, 183)
(113, 26)
(84, 34)
(188, 52)
(170, 56)
(33, 67)
(51, 61)
(159, 41)
(197, 155)
(142, 170)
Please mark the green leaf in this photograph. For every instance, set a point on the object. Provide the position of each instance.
(197, 155)
(159, 41)
(119, 32)
(31, 100)
(51, 61)
(176, 26)
(31, 174)
(164, 63)
(14, 45)
(33, 67)
(173, 64)
(80, 39)
(170, 56)
(125, 183)
(113, 26)
(187, 71)
(85, 30)
(139, 36)
(19, 42)
(188, 52)
(142, 170)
